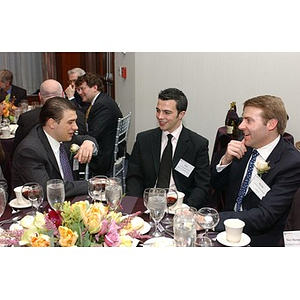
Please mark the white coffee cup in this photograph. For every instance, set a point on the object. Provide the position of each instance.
(5, 132)
(20, 199)
(178, 203)
(234, 229)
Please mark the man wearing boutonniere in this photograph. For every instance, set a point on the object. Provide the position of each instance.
(45, 152)
(260, 173)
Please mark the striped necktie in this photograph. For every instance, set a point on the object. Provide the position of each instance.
(65, 163)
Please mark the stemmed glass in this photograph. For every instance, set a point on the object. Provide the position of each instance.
(172, 197)
(96, 187)
(113, 193)
(146, 197)
(2, 200)
(207, 218)
(33, 192)
(157, 204)
(55, 193)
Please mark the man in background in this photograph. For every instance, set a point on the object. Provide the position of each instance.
(71, 92)
(13, 91)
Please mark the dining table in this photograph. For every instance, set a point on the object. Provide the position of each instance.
(129, 205)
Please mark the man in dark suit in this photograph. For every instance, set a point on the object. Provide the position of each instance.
(102, 119)
(15, 92)
(48, 89)
(275, 177)
(190, 163)
(37, 158)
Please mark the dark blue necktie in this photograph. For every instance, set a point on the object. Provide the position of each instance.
(65, 163)
(164, 174)
(246, 181)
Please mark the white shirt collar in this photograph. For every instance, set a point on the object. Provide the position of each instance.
(266, 150)
(53, 143)
(175, 133)
(92, 103)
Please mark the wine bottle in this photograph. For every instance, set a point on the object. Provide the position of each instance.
(232, 122)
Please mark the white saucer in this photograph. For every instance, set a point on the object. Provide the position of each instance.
(11, 136)
(145, 228)
(245, 240)
(172, 211)
(14, 204)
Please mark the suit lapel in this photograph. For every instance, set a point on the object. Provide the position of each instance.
(183, 145)
(155, 142)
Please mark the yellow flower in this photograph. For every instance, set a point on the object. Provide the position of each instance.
(126, 241)
(41, 240)
(83, 206)
(68, 238)
(39, 221)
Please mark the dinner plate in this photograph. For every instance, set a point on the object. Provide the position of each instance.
(145, 228)
(160, 242)
(245, 240)
(14, 204)
(11, 136)
(172, 212)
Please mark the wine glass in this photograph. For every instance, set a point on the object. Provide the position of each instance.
(55, 193)
(157, 204)
(113, 193)
(33, 192)
(146, 197)
(207, 218)
(172, 197)
(2, 200)
(96, 188)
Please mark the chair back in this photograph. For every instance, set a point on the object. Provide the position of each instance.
(121, 138)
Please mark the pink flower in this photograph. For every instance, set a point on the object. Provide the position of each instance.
(112, 238)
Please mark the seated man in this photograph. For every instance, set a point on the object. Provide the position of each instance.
(6, 80)
(189, 170)
(263, 199)
(38, 157)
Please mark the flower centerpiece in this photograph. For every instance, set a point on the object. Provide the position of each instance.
(80, 224)
(9, 109)
(262, 167)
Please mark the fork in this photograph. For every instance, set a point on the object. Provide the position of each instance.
(164, 230)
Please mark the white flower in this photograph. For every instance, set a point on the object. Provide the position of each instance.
(262, 167)
(74, 149)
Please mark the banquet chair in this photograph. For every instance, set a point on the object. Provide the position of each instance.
(119, 169)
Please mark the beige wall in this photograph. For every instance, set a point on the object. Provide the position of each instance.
(210, 81)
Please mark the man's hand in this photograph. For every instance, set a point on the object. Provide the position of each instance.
(70, 91)
(234, 149)
(85, 152)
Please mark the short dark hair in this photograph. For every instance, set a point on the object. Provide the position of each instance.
(91, 79)
(176, 95)
(54, 108)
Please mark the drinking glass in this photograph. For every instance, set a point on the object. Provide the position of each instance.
(24, 105)
(157, 204)
(184, 226)
(2, 200)
(55, 193)
(96, 188)
(17, 114)
(33, 192)
(113, 193)
(146, 197)
(207, 218)
(172, 197)
(203, 241)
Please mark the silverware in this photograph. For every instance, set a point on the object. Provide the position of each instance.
(14, 219)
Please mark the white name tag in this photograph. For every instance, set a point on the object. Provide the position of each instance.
(184, 168)
(291, 238)
(75, 165)
(259, 187)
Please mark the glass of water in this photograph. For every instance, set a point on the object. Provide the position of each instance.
(113, 193)
(157, 205)
(184, 226)
(55, 193)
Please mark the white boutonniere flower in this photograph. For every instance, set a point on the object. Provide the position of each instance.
(262, 167)
(74, 149)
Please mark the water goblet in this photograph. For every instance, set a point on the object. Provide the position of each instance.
(33, 192)
(96, 188)
(157, 204)
(172, 197)
(113, 193)
(55, 193)
(207, 218)
(145, 198)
